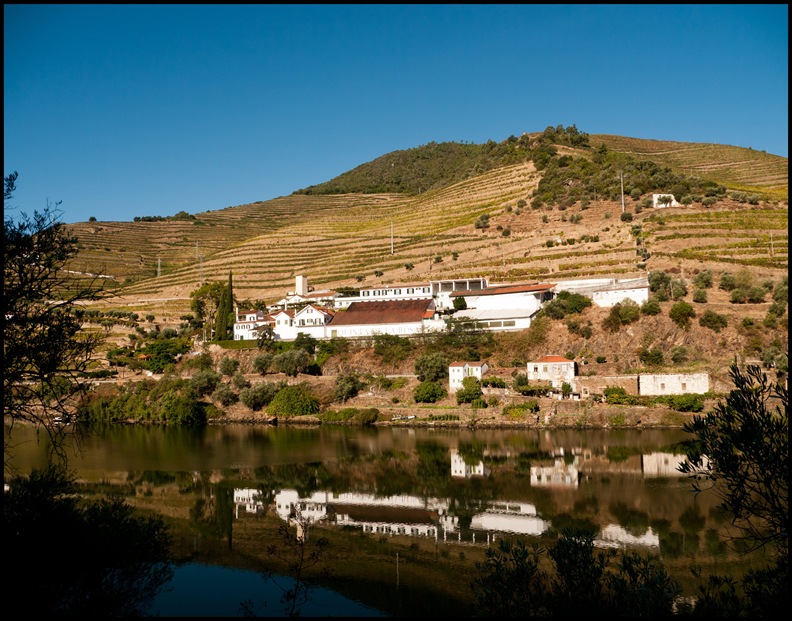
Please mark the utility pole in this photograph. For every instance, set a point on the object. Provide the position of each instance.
(159, 266)
(391, 236)
(621, 178)
(771, 244)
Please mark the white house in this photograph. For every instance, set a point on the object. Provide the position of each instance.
(607, 292)
(458, 371)
(673, 384)
(656, 201)
(553, 369)
(310, 319)
(396, 317)
(248, 322)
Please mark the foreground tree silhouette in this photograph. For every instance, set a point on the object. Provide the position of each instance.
(64, 555)
(741, 454)
(45, 355)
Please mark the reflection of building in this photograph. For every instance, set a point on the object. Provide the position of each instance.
(615, 536)
(460, 469)
(560, 474)
(662, 465)
(249, 498)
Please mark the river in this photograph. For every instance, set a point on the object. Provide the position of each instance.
(406, 512)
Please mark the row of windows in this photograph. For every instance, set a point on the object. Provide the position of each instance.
(384, 292)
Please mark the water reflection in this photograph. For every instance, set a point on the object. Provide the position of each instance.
(436, 518)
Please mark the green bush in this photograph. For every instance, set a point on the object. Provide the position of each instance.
(650, 307)
(601, 359)
(294, 400)
(727, 282)
(700, 296)
(429, 392)
(470, 391)
(229, 366)
(347, 386)
(651, 357)
(713, 321)
(431, 367)
(204, 382)
(679, 354)
(259, 395)
(225, 395)
(681, 313)
(703, 279)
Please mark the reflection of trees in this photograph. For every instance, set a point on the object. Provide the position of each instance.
(65, 555)
(634, 521)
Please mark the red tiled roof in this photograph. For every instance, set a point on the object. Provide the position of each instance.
(470, 364)
(504, 289)
(395, 311)
(552, 359)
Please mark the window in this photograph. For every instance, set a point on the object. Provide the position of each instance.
(536, 369)
(662, 386)
(684, 386)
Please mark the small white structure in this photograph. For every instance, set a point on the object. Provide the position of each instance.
(673, 384)
(658, 201)
(460, 469)
(553, 369)
(398, 317)
(458, 371)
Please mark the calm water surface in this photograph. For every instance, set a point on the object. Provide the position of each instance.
(401, 504)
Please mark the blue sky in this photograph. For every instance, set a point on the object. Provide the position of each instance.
(136, 110)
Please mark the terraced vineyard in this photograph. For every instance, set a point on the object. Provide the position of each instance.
(362, 240)
(735, 167)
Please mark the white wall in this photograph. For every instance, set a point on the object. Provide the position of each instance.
(673, 384)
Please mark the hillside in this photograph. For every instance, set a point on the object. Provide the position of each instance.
(347, 240)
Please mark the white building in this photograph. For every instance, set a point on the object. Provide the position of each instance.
(502, 307)
(553, 369)
(673, 384)
(399, 318)
(458, 371)
(607, 292)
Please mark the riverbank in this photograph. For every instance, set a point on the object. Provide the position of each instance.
(552, 414)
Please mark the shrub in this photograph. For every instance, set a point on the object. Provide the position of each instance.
(262, 362)
(225, 395)
(650, 307)
(294, 401)
(681, 313)
(679, 354)
(755, 295)
(229, 366)
(703, 279)
(292, 362)
(700, 296)
(686, 403)
(470, 391)
(712, 320)
(739, 296)
(259, 395)
(629, 311)
(347, 387)
(431, 367)
(204, 382)
(727, 282)
(240, 381)
(601, 359)
(493, 381)
(478, 404)
(429, 392)
(678, 289)
(626, 217)
(651, 357)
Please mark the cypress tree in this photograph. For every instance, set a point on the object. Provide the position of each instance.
(224, 310)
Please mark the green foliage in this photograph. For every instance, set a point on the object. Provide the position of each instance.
(460, 303)
(392, 348)
(347, 386)
(659, 281)
(204, 382)
(294, 401)
(681, 313)
(470, 391)
(650, 307)
(746, 434)
(431, 367)
(493, 381)
(259, 395)
(355, 416)
(263, 362)
(429, 392)
(229, 366)
(700, 296)
(224, 320)
(519, 410)
(683, 403)
(566, 303)
(712, 320)
(292, 362)
(225, 395)
(703, 280)
(679, 354)
(727, 282)
(428, 167)
(306, 342)
(651, 357)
